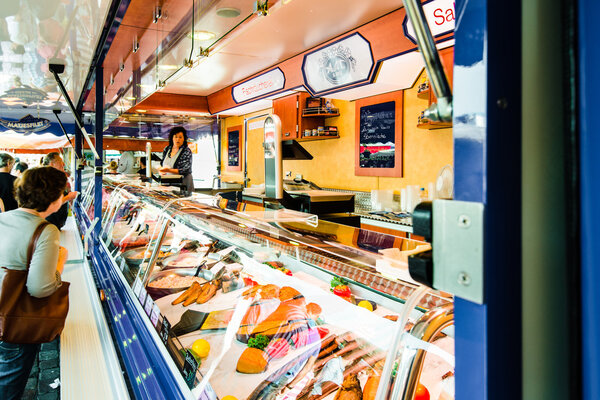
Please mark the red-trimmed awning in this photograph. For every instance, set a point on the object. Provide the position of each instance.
(11, 140)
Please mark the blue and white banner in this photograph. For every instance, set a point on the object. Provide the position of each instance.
(27, 124)
(261, 85)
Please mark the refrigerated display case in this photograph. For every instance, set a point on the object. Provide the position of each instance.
(212, 298)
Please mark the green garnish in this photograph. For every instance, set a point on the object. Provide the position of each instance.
(258, 342)
(337, 281)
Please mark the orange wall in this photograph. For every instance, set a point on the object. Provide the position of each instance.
(256, 165)
(425, 152)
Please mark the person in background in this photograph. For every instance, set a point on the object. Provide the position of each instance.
(20, 168)
(59, 217)
(112, 167)
(177, 157)
(7, 182)
(126, 163)
(142, 170)
(39, 193)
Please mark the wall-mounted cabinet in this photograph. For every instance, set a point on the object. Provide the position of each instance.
(296, 117)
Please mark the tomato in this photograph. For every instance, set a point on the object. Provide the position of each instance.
(342, 291)
(249, 282)
(322, 332)
(422, 393)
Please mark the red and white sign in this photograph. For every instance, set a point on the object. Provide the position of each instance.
(440, 17)
(259, 86)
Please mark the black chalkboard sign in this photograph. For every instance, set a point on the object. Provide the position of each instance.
(233, 149)
(190, 366)
(377, 135)
(164, 329)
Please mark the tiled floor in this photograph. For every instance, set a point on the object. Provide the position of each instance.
(43, 383)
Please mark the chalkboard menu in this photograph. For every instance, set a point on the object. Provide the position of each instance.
(377, 135)
(233, 149)
(190, 366)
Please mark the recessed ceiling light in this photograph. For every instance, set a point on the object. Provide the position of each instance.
(168, 67)
(141, 111)
(202, 35)
(228, 12)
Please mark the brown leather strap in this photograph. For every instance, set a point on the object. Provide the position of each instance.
(34, 239)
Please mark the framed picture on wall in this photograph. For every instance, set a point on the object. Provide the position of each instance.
(234, 144)
(378, 150)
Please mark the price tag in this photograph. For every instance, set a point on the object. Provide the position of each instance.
(149, 305)
(165, 327)
(123, 263)
(154, 315)
(142, 296)
(137, 286)
(190, 366)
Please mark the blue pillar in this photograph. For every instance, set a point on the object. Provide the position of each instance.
(99, 150)
(487, 155)
(588, 86)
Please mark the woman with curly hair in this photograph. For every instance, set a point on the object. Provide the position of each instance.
(39, 193)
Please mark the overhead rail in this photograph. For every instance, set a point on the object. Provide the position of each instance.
(58, 68)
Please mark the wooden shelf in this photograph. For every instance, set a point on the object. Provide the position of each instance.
(424, 94)
(326, 115)
(434, 125)
(311, 138)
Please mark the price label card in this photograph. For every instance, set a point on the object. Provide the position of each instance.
(154, 315)
(190, 366)
(122, 265)
(165, 327)
(137, 286)
(142, 296)
(149, 305)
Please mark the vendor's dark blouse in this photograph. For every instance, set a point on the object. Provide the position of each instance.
(183, 162)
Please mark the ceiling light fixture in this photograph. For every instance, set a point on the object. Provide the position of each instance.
(168, 67)
(141, 111)
(228, 12)
(202, 35)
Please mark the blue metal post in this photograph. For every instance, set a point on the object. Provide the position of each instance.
(487, 156)
(99, 130)
(79, 155)
(589, 87)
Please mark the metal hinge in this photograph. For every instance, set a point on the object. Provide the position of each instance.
(458, 248)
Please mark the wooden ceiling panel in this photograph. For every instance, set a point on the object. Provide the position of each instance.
(173, 104)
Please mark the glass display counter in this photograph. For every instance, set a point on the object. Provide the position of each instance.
(237, 300)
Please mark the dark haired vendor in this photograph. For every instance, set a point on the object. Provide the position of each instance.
(177, 158)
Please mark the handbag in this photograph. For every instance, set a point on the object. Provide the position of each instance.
(24, 318)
